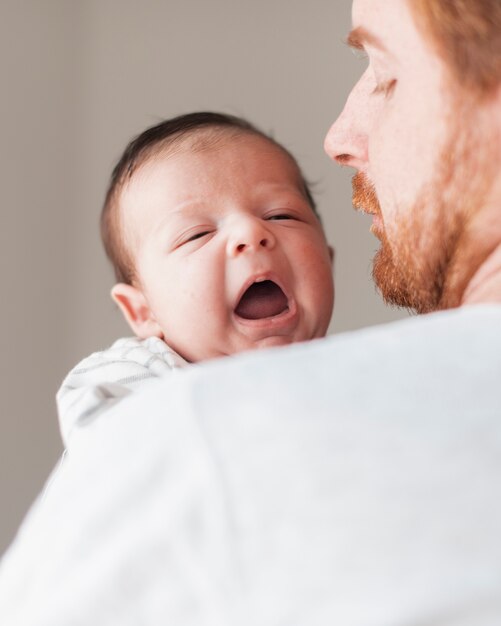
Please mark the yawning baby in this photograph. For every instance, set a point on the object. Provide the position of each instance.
(217, 248)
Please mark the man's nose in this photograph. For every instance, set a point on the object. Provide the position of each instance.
(249, 234)
(347, 139)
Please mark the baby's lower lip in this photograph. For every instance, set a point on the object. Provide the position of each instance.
(263, 319)
(279, 322)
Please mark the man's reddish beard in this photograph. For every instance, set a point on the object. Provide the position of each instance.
(390, 274)
(433, 254)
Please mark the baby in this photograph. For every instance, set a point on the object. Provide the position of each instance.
(217, 248)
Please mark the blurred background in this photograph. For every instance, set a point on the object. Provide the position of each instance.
(79, 80)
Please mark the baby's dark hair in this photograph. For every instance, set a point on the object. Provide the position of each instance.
(160, 137)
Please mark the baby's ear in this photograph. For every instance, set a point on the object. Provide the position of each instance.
(135, 309)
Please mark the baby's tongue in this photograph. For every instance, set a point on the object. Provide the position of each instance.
(261, 300)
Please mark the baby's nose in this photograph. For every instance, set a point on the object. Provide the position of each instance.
(249, 235)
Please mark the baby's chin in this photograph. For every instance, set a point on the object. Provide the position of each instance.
(225, 351)
(273, 341)
(254, 341)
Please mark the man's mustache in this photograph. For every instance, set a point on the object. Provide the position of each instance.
(364, 195)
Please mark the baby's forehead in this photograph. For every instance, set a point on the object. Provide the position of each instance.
(193, 157)
(203, 140)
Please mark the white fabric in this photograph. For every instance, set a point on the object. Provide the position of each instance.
(351, 481)
(103, 378)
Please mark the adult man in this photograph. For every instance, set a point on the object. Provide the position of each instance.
(354, 481)
(422, 127)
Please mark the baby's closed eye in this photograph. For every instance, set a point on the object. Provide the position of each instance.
(194, 234)
(281, 216)
(198, 235)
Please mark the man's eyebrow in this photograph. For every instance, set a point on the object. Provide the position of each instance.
(360, 36)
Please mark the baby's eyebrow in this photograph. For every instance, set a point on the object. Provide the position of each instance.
(188, 207)
(172, 217)
(184, 214)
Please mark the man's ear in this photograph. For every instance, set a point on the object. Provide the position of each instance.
(135, 309)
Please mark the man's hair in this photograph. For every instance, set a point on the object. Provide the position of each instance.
(168, 134)
(467, 34)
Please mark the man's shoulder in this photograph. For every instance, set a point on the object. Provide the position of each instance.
(448, 333)
(445, 335)
(471, 318)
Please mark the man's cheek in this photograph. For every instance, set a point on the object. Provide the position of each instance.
(396, 176)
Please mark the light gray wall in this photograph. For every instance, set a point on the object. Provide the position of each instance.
(79, 79)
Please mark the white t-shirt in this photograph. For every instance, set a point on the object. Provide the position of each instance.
(352, 480)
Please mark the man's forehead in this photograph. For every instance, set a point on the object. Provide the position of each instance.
(386, 25)
(368, 12)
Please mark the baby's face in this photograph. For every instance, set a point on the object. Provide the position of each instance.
(229, 254)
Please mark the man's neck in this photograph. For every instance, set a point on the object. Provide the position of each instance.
(485, 285)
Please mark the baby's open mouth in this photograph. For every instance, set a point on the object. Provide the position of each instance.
(261, 300)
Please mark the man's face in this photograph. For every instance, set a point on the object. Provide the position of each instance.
(229, 254)
(410, 136)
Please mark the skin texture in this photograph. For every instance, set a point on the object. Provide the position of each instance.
(426, 155)
(204, 222)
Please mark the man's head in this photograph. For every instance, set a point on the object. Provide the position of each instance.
(215, 239)
(422, 127)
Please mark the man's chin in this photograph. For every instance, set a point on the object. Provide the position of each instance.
(400, 285)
